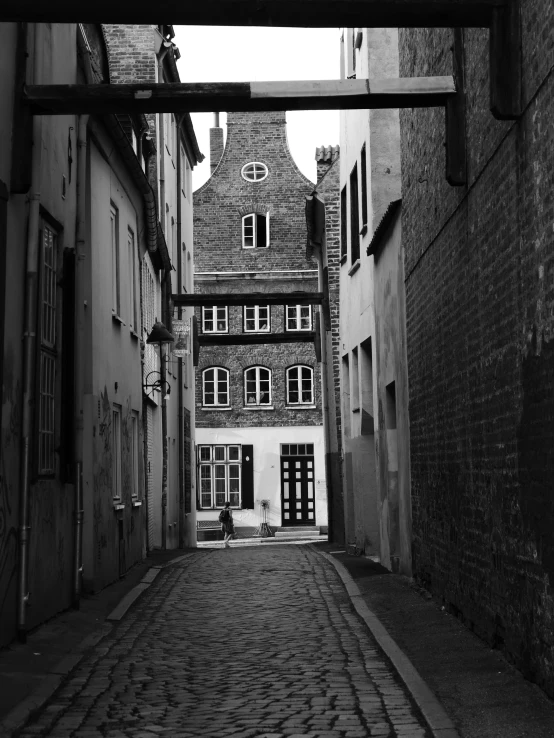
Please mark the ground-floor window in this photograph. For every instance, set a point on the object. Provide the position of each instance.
(220, 475)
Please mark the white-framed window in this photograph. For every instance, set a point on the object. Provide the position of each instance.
(215, 387)
(116, 452)
(219, 471)
(299, 318)
(215, 319)
(48, 315)
(256, 319)
(255, 231)
(257, 386)
(133, 307)
(300, 385)
(116, 260)
(135, 456)
(254, 171)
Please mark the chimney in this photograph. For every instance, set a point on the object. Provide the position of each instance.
(325, 156)
(216, 143)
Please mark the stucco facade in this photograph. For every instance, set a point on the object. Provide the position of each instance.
(373, 384)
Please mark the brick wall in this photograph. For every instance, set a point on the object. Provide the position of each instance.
(480, 325)
(218, 209)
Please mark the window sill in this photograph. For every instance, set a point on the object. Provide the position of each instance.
(214, 333)
(117, 319)
(250, 333)
(354, 268)
(343, 259)
(298, 330)
(209, 408)
(118, 506)
(364, 230)
(355, 409)
(137, 503)
(301, 407)
(134, 334)
(258, 407)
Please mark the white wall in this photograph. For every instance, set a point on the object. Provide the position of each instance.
(267, 474)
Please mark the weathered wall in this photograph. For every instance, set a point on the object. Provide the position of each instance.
(392, 427)
(480, 298)
(114, 377)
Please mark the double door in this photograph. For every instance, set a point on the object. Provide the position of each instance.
(297, 490)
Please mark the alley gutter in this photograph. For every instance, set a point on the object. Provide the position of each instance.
(440, 725)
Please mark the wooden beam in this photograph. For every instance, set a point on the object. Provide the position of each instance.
(412, 92)
(506, 61)
(250, 298)
(242, 339)
(456, 150)
(286, 13)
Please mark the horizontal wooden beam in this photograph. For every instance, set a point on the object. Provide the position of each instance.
(250, 298)
(286, 13)
(242, 339)
(410, 92)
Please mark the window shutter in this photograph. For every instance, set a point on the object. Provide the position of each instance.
(261, 231)
(248, 477)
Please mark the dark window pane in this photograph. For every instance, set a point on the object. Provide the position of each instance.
(261, 233)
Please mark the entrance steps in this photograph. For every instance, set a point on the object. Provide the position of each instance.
(298, 532)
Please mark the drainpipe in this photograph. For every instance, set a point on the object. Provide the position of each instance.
(163, 51)
(80, 241)
(180, 399)
(29, 349)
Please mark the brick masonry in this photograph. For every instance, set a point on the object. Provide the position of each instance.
(480, 325)
(218, 209)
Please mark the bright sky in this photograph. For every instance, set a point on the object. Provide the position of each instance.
(252, 54)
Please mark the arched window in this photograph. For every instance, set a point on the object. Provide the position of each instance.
(255, 231)
(300, 385)
(255, 171)
(257, 386)
(215, 387)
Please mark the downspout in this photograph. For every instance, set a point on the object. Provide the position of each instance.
(29, 349)
(180, 398)
(80, 242)
(163, 51)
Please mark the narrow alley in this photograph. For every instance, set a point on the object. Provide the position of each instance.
(242, 642)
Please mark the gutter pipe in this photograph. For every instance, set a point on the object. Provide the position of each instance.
(80, 242)
(29, 349)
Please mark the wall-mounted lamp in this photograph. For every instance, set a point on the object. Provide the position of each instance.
(158, 335)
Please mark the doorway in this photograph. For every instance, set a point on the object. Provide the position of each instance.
(297, 484)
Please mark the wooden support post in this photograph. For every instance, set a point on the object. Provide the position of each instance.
(455, 109)
(505, 61)
(22, 134)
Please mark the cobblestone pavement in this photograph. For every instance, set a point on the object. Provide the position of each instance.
(248, 643)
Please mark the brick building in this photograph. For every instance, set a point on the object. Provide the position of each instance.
(258, 406)
(479, 266)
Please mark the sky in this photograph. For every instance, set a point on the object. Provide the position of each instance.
(255, 54)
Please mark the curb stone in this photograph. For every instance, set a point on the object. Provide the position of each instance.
(440, 725)
(21, 713)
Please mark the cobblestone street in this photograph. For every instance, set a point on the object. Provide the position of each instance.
(244, 642)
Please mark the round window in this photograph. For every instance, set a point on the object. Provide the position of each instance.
(254, 172)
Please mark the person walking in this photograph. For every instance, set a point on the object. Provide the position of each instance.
(227, 526)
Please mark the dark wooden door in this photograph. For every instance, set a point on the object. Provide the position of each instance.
(297, 490)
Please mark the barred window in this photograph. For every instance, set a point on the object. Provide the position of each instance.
(299, 318)
(220, 475)
(300, 385)
(215, 387)
(47, 362)
(256, 319)
(257, 386)
(215, 319)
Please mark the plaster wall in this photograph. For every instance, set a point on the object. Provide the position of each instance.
(267, 470)
(114, 532)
